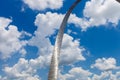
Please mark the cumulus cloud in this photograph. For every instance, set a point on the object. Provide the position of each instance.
(44, 4)
(107, 75)
(105, 64)
(48, 22)
(108, 69)
(46, 26)
(101, 12)
(83, 23)
(71, 50)
(104, 12)
(76, 73)
(23, 70)
(9, 39)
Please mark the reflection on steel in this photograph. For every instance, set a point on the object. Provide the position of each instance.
(118, 1)
(53, 72)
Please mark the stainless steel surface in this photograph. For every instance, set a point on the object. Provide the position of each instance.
(53, 72)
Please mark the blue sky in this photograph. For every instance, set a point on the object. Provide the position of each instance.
(91, 43)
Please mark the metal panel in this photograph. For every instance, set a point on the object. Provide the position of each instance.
(53, 72)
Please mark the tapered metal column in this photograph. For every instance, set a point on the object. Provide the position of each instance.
(53, 72)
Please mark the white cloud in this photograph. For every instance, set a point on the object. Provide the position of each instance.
(22, 70)
(48, 22)
(27, 70)
(105, 64)
(107, 75)
(100, 15)
(44, 4)
(46, 25)
(104, 12)
(71, 50)
(9, 39)
(4, 22)
(79, 22)
(76, 73)
(96, 13)
(100, 12)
